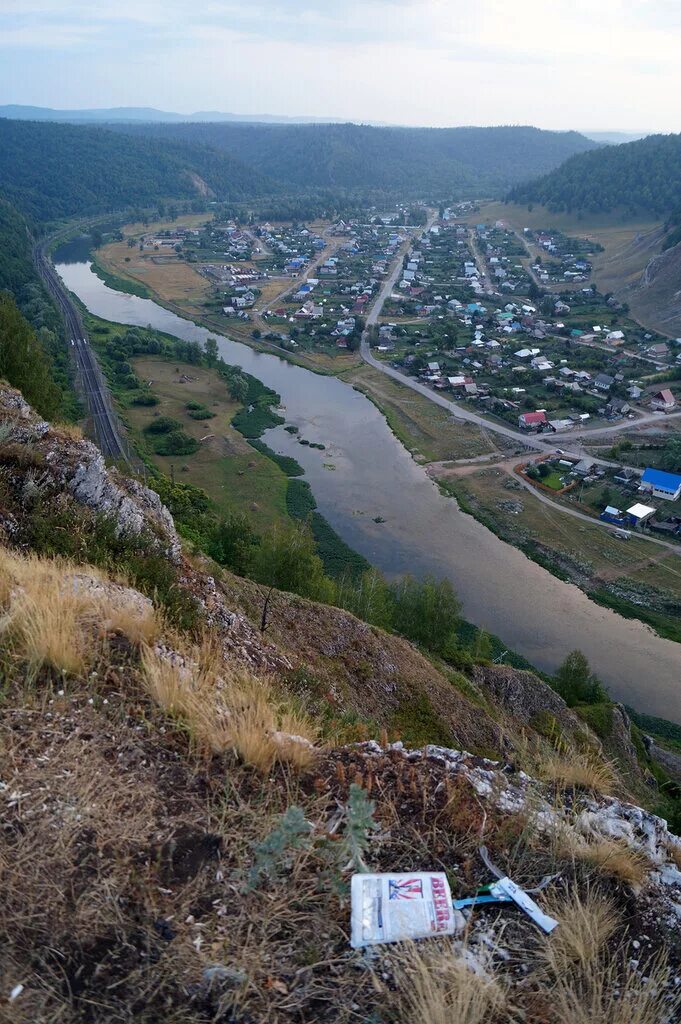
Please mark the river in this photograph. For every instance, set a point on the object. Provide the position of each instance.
(364, 473)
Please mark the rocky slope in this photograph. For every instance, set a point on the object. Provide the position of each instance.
(179, 792)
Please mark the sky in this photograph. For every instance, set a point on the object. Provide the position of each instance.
(585, 64)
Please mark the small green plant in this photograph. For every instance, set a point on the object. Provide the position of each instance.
(359, 822)
(275, 853)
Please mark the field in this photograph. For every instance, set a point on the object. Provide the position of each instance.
(425, 429)
(234, 475)
(589, 556)
(168, 277)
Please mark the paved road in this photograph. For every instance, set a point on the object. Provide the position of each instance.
(91, 382)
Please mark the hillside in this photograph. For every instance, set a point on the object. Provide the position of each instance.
(186, 797)
(634, 178)
(414, 160)
(49, 171)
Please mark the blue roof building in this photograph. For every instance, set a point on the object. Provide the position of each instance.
(661, 484)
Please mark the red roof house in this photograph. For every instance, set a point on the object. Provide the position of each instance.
(531, 420)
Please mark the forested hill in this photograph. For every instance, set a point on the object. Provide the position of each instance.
(642, 176)
(50, 171)
(355, 156)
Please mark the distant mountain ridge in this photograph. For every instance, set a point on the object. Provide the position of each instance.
(21, 112)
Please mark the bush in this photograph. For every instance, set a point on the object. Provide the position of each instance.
(201, 413)
(162, 425)
(176, 443)
(144, 398)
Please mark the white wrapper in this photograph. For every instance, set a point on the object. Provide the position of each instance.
(395, 907)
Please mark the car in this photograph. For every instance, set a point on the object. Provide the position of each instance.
(559, 451)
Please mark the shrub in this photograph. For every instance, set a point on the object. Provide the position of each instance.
(197, 411)
(176, 443)
(162, 425)
(144, 398)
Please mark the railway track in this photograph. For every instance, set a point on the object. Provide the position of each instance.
(91, 382)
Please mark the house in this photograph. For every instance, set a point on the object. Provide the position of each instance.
(661, 484)
(434, 367)
(610, 514)
(603, 382)
(525, 353)
(583, 468)
(559, 425)
(626, 476)
(638, 514)
(532, 420)
(617, 407)
(663, 400)
(615, 337)
(634, 392)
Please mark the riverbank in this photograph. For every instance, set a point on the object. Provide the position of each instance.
(623, 576)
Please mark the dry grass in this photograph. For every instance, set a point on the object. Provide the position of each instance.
(616, 859)
(603, 995)
(435, 985)
(57, 615)
(612, 857)
(226, 707)
(578, 771)
(69, 431)
(138, 626)
(586, 924)
(46, 629)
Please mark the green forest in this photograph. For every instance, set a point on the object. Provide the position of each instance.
(51, 171)
(354, 156)
(638, 177)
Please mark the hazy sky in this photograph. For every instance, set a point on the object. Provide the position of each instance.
(591, 64)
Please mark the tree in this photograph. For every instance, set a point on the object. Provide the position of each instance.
(233, 543)
(287, 559)
(482, 646)
(671, 457)
(23, 360)
(238, 388)
(576, 683)
(426, 611)
(210, 351)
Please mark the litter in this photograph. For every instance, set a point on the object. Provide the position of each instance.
(396, 907)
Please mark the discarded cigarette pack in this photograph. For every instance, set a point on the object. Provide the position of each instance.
(396, 907)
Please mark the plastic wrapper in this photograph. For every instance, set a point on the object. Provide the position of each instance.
(397, 907)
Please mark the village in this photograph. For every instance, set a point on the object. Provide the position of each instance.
(621, 496)
(552, 362)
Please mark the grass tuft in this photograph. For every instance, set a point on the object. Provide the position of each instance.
(586, 924)
(435, 985)
(226, 707)
(578, 771)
